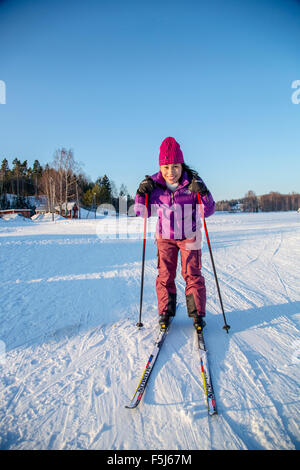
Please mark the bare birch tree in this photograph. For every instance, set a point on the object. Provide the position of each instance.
(66, 168)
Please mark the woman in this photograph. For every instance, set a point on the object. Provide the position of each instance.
(172, 196)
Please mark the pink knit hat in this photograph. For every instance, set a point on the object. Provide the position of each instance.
(170, 152)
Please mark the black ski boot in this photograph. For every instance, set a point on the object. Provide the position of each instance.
(164, 318)
(199, 323)
(164, 321)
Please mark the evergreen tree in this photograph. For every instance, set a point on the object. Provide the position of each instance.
(37, 172)
(105, 193)
(16, 172)
(4, 174)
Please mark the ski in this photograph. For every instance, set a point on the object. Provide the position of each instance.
(204, 365)
(205, 372)
(138, 395)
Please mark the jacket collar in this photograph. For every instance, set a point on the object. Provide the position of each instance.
(158, 178)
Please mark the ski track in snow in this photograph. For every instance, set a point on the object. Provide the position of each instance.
(73, 355)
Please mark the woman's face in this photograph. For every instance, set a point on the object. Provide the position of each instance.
(171, 173)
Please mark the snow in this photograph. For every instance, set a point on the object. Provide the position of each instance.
(18, 218)
(71, 355)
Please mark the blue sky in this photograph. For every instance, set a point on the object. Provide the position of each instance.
(112, 79)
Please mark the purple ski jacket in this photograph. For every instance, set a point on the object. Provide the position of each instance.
(178, 212)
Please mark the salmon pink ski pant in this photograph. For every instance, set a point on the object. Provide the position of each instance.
(167, 256)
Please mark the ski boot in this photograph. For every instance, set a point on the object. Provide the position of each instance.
(164, 318)
(164, 321)
(199, 323)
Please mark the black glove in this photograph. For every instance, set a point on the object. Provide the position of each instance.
(146, 186)
(197, 186)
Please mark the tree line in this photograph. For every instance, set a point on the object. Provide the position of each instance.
(61, 181)
(273, 201)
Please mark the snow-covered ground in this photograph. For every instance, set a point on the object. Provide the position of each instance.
(71, 355)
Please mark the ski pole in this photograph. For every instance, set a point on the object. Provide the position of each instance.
(139, 323)
(226, 326)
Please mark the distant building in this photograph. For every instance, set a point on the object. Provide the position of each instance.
(41, 209)
(238, 207)
(70, 213)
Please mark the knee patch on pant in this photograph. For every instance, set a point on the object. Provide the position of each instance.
(190, 305)
(171, 309)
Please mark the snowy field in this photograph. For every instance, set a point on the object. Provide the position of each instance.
(71, 355)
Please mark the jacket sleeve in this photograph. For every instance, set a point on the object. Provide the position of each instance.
(209, 205)
(208, 202)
